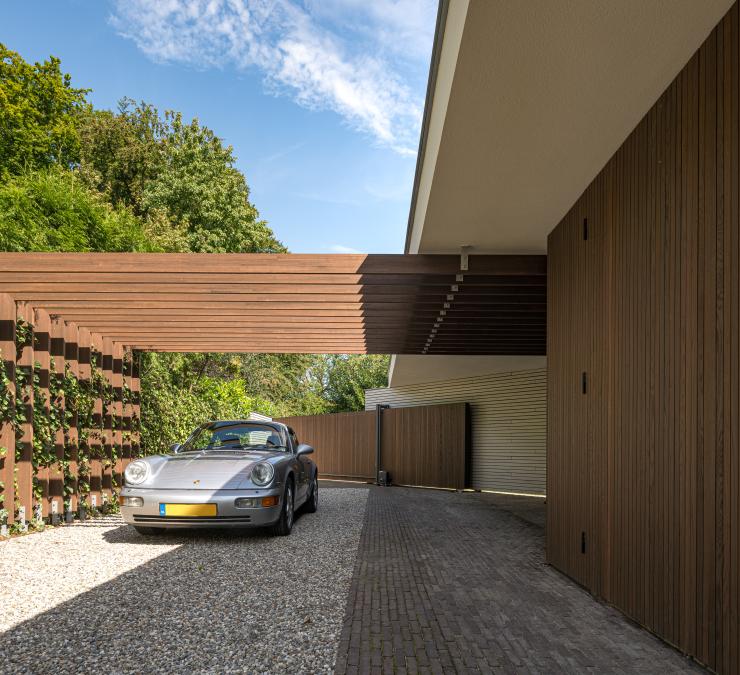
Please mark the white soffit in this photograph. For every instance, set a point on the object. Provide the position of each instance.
(531, 100)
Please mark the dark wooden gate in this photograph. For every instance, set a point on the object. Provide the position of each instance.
(421, 445)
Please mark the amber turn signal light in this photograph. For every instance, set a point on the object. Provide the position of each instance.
(270, 501)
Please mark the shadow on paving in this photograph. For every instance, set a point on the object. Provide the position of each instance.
(451, 582)
(223, 601)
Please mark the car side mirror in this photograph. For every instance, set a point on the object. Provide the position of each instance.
(304, 449)
(175, 447)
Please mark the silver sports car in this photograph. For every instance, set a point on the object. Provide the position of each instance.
(240, 473)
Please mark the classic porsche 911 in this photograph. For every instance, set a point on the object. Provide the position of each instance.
(239, 473)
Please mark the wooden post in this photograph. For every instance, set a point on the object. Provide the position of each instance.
(71, 355)
(108, 415)
(136, 407)
(89, 484)
(7, 388)
(117, 381)
(127, 409)
(56, 376)
(24, 398)
(41, 407)
(96, 433)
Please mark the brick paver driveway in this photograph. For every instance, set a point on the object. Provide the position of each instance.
(448, 582)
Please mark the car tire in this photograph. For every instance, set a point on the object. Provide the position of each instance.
(287, 513)
(149, 531)
(312, 503)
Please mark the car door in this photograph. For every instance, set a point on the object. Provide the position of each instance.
(304, 470)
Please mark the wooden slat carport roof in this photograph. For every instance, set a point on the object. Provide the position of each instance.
(400, 304)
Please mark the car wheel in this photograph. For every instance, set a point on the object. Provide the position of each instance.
(312, 503)
(283, 526)
(149, 531)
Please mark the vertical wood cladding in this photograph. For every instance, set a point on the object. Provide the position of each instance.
(426, 445)
(423, 445)
(645, 465)
(508, 423)
(344, 443)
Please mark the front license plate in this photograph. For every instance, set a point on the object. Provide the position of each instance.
(187, 510)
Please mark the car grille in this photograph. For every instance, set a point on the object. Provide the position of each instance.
(193, 519)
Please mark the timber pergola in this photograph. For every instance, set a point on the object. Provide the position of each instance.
(290, 303)
(83, 315)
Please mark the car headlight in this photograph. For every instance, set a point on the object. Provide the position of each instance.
(136, 472)
(263, 473)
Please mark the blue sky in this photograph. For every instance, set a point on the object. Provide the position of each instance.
(321, 99)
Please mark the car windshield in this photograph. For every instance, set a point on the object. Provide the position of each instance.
(235, 436)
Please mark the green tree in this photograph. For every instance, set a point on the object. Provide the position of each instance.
(163, 168)
(200, 187)
(348, 375)
(39, 114)
(121, 152)
(51, 210)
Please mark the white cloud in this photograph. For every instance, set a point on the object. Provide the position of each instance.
(339, 248)
(327, 55)
(404, 28)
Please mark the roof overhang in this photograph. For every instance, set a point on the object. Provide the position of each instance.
(526, 103)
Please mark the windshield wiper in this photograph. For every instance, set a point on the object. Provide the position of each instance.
(263, 446)
(221, 447)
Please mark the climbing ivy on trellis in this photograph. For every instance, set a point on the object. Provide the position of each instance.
(48, 419)
(67, 397)
(7, 416)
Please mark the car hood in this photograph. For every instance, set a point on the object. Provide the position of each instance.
(207, 471)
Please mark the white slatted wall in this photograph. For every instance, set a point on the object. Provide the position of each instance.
(508, 415)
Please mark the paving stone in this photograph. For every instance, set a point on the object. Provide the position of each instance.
(457, 582)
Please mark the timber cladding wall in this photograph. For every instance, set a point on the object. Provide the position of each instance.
(344, 443)
(508, 414)
(425, 445)
(644, 299)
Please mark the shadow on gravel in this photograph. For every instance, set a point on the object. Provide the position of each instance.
(219, 602)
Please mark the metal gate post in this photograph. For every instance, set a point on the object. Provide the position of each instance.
(379, 408)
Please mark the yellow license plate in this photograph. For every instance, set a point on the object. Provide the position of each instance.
(187, 510)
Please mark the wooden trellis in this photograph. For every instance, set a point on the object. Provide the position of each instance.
(52, 349)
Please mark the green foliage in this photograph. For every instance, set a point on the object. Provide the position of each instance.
(177, 401)
(168, 171)
(7, 400)
(347, 377)
(39, 113)
(51, 210)
(121, 152)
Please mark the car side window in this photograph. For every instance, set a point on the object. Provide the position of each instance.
(293, 439)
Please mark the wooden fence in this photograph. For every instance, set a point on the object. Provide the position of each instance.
(424, 445)
(69, 415)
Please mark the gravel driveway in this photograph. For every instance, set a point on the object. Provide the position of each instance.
(100, 597)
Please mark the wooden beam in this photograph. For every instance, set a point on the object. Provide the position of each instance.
(289, 263)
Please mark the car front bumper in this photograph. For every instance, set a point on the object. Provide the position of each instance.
(227, 514)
